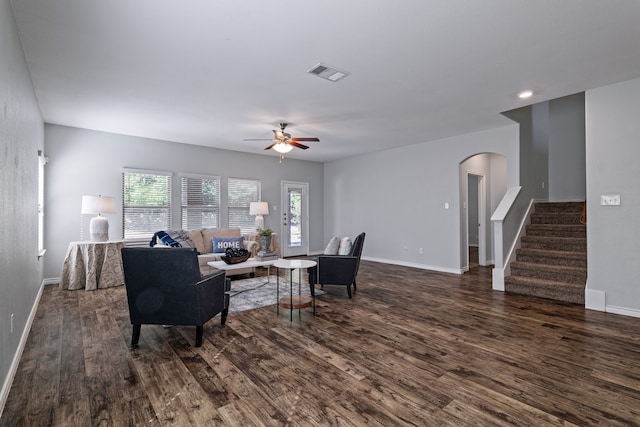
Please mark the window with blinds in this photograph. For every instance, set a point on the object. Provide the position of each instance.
(240, 193)
(146, 202)
(200, 202)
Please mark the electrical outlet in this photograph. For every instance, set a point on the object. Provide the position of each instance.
(610, 200)
(421, 251)
(406, 249)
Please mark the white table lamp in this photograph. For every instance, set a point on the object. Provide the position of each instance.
(258, 209)
(99, 225)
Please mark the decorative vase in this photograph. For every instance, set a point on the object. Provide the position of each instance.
(265, 242)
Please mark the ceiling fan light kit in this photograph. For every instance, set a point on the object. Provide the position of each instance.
(283, 142)
(282, 147)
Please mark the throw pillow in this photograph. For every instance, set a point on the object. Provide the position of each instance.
(345, 246)
(333, 246)
(220, 244)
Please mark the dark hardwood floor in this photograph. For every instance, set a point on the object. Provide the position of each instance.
(412, 347)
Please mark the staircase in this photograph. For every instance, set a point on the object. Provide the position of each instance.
(552, 260)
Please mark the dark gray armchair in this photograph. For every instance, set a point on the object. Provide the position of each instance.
(338, 269)
(164, 287)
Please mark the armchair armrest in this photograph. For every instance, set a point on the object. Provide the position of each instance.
(251, 246)
(337, 269)
(211, 294)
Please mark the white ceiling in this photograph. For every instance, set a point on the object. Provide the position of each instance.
(215, 72)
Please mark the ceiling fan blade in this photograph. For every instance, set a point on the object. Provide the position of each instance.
(305, 139)
(295, 144)
(271, 146)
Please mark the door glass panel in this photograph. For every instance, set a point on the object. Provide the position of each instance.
(295, 217)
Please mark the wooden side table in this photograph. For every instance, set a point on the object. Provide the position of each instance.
(92, 265)
(298, 301)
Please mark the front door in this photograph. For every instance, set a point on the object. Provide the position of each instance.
(295, 228)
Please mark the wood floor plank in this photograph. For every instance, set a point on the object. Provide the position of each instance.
(73, 394)
(44, 394)
(411, 348)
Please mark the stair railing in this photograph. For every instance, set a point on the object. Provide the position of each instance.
(509, 220)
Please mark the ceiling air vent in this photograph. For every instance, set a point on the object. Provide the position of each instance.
(328, 72)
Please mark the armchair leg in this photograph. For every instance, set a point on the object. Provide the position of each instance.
(135, 337)
(199, 330)
(349, 290)
(223, 316)
(354, 285)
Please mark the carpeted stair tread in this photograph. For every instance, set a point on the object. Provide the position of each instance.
(560, 273)
(556, 230)
(576, 244)
(559, 291)
(567, 207)
(556, 218)
(552, 257)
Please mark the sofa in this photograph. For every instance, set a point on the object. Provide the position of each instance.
(202, 240)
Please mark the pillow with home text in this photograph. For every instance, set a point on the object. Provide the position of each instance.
(221, 244)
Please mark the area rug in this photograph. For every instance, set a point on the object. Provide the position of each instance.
(248, 294)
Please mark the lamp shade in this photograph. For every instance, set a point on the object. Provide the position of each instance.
(258, 208)
(98, 205)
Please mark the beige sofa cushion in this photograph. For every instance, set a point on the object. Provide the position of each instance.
(209, 233)
(196, 238)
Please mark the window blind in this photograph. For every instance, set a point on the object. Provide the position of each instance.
(146, 203)
(200, 202)
(241, 192)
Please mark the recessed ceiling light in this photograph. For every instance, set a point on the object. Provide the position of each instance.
(525, 94)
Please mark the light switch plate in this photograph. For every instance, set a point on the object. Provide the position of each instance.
(610, 200)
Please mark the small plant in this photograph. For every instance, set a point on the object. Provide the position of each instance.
(265, 231)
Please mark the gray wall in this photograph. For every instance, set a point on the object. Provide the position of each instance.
(533, 153)
(397, 197)
(567, 163)
(84, 162)
(21, 136)
(552, 144)
(613, 232)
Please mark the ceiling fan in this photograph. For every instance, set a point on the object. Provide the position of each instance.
(283, 142)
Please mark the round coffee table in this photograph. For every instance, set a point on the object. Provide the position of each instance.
(298, 301)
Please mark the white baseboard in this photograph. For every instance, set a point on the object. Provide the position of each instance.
(415, 265)
(51, 281)
(497, 279)
(6, 387)
(595, 300)
(632, 312)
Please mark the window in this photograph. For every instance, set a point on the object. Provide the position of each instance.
(200, 201)
(146, 202)
(241, 193)
(42, 161)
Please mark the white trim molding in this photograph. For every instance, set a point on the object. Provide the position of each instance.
(415, 265)
(6, 387)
